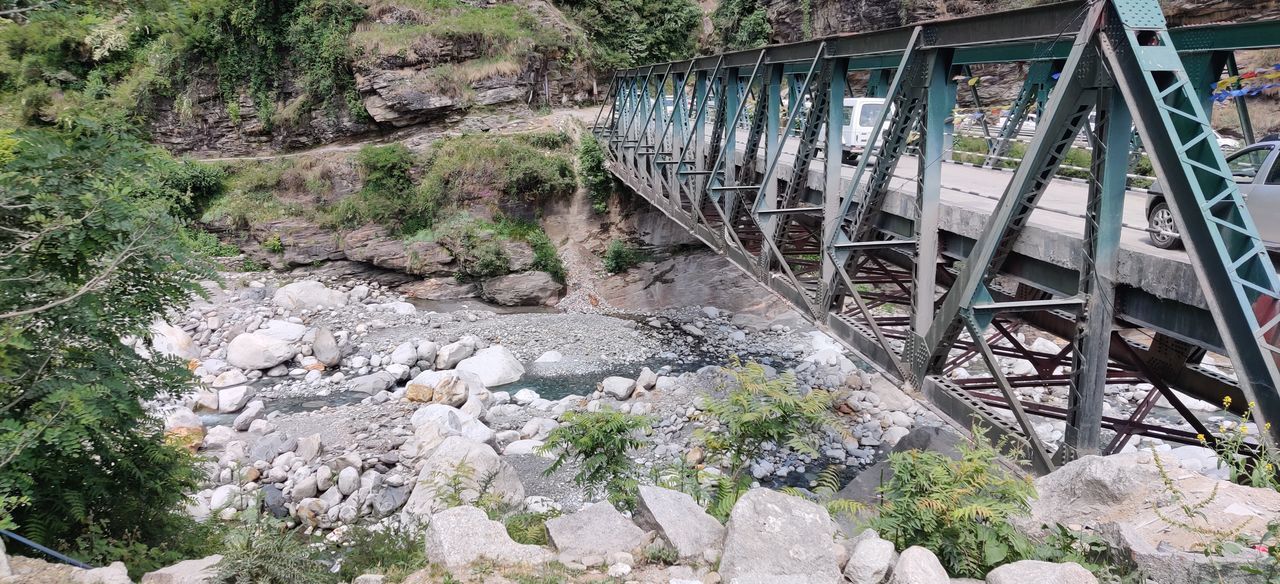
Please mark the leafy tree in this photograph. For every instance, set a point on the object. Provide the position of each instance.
(90, 254)
(601, 444)
(959, 509)
(741, 24)
(625, 33)
(595, 177)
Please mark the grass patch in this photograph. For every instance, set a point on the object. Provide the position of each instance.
(505, 31)
(476, 243)
(973, 150)
(392, 552)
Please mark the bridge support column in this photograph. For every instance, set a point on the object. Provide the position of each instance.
(1103, 217)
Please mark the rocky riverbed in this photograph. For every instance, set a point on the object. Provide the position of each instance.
(331, 399)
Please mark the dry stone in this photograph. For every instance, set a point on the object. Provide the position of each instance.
(774, 537)
(308, 294)
(464, 535)
(256, 351)
(202, 571)
(443, 464)
(917, 565)
(494, 366)
(679, 520)
(596, 530)
(1032, 571)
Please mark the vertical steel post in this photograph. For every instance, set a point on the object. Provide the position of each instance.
(940, 97)
(832, 169)
(773, 139)
(1112, 122)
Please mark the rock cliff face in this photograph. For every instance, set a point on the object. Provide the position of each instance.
(404, 74)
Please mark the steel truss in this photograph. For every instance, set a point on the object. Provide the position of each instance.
(756, 173)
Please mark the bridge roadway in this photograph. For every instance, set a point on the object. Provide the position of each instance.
(1157, 288)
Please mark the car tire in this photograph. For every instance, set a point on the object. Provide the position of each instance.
(1160, 218)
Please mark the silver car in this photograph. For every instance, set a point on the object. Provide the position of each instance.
(1257, 172)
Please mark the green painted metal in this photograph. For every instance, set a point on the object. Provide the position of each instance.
(1114, 55)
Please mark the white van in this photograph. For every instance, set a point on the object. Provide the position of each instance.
(860, 115)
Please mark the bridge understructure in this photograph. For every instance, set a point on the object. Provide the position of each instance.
(735, 148)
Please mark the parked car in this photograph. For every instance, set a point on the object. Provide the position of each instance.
(860, 114)
(1256, 170)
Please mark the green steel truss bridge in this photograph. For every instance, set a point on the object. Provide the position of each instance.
(923, 272)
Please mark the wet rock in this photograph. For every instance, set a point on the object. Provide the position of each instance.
(251, 412)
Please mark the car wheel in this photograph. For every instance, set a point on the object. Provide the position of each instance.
(1164, 230)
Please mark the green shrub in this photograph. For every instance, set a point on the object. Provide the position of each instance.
(741, 24)
(625, 33)
(206, 243)
(756, 409)
(601, 444)
(197, 184)
(528, 527)
(595, 177)
(263, 553)
(661, 554)
(273, 244)
(620, 257)
(392, 551)
(959, 509)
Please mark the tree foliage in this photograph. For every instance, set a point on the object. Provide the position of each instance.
(959, 509)
(741, 24)
(625, 33)
(600, 443)
(595, 177)
(91, 254)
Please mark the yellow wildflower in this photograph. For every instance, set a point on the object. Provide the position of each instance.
(1200, 437)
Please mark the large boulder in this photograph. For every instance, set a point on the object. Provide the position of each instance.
(774, 537)
(172, 341)
(233, 399)
(468, 465)
(372, 383)
(308, 294)
(464, 535)
(451, 388)
(289, 332)
(183, 426)
(494, 366)
(618, 387)
(1113, 496)
(439, 421)
(257, 351)
(448, 356)
(596, 530)
(917, 565)
(325, 348)
(201, 571)
(679, 520)
(1032, 571)
(523, 289)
